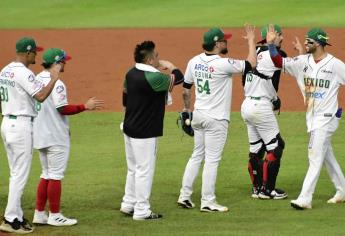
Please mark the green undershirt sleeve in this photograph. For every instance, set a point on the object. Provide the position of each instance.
(158, 81)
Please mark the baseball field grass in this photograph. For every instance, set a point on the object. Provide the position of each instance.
(16, 14)
(94, 184)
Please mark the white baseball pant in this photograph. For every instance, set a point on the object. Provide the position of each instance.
(141, 160)
(18, 139)
(261, 123)
(320, 152)
(209, 139)
(54, 161)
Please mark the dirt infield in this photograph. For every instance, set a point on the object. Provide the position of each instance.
(101, 57)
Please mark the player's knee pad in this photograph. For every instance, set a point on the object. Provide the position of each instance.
(257, 149)
(278, 150)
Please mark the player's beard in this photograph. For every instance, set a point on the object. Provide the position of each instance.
(224, 51)
(310, 49)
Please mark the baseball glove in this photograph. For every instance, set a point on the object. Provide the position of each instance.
(184, 120)
(276, 105)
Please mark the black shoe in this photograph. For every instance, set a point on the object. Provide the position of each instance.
(153, 216)
(276, 194)
(26, 224)
(15, 227)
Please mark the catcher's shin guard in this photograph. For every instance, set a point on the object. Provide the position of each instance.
(272, 164)
(255, 169)
(270, 171)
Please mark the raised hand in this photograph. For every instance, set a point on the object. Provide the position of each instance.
(298, 46)
(166, 65)
(94, 104)
(271, 34)
(250, 32)
(55, 71)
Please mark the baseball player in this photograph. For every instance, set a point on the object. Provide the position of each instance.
(52, 139)
(260, 90)
(144, 98)
(319, 76)
(18, 89)
(212, 76)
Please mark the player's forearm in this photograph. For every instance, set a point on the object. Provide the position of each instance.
(186, 99)
(71, 109)
(45, 91)
(251, 58)
(275, 56)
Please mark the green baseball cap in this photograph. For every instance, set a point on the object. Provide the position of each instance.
(264, 30)
(27, 44)
(214, 35)
(318, 35)
(55, 55)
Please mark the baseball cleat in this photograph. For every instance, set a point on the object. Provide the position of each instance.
(40, 218)
(57, 219)
(299, 205)
(255, 193)
(186, 203)
(126, 211)
(16, 226)
(337, 199)
(152, 216)
(212, 207)
(276, 194)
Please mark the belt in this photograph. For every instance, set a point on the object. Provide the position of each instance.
(13, 117)
(255, 98)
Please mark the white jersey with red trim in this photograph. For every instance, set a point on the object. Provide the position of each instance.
(261, 86)
(18, 86)
(212, 76)
(50, 127)
(319, 84)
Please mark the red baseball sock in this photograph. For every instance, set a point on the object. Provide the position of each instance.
(54, 195)
(41, 196)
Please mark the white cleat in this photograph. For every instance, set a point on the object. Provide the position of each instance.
(300, 205)
(212, 207)
(185, 203)
(336, 199)
(57, 219)
(126, 211)
(40, 218)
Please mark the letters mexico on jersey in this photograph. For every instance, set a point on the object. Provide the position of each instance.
(319, 84)
(56, 131)
(17, 87)
(211, 74)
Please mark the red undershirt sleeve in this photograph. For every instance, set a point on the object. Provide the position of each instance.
(71, 109)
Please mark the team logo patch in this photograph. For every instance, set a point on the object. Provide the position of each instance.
(211, 69)
(260, 57)
(31, 78)
(305, 68)
(62, 97)
(38, 84)
(60, 89)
